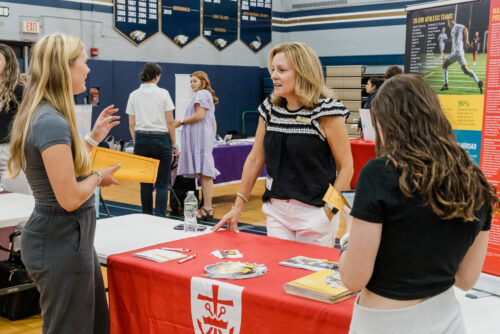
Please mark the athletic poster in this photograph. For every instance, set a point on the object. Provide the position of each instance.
(490, 152)
(220, 22)
(456, 48)
(447, 45)
(180, 20)
(136, 20)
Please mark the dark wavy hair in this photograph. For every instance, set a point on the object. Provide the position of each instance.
(150, 72)
(10, 77)
(417, 139)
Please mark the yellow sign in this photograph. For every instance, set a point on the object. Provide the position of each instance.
(465, 112)
(133, 168)
(335, 199)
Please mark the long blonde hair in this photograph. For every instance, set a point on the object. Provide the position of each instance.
(309, 81)
(205, 84)
(50, 82)
(9, 77)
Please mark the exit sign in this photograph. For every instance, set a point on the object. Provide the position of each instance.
(31, 27)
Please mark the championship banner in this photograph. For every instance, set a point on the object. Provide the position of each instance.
(220, 22)
(136, 20)
(255, 23)
(180, 20)
(455, 47)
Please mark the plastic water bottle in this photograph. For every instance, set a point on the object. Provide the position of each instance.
(190, 211)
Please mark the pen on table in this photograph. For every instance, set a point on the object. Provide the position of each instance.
(176, 249)
(187, 258)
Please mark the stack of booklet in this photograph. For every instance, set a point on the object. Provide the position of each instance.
(325, 285)
(159, 255)
(310, 263)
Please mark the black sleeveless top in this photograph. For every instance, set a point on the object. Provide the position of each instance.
(299, 161)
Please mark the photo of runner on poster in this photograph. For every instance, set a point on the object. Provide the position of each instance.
(448, 47)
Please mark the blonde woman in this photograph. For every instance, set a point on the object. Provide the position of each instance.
(11, 93)
(57, 244)
(198, 137)
(302, 139)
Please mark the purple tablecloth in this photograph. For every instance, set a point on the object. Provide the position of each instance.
(229, 161)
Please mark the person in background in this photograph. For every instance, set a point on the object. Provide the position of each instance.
(151, 124)
(420, 220)
(371, 88)
(392, 71)
(198, 139)
(57, 243)
(11, 94)
(302, 139)
(476, 46)
(442, 37)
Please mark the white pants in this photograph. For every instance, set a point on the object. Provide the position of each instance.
(440, 314)
(457, 56)
(297, 221)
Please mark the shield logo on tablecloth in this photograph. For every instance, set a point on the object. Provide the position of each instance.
(215, 306)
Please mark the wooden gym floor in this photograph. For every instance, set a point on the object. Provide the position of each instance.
(128, 192)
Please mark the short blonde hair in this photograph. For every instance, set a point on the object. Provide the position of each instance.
(309, 81)
(50, 81)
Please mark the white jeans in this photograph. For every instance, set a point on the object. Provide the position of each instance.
(297, 221)
(440, 314)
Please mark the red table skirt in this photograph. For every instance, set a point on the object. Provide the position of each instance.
(150, 297)
(362, 151)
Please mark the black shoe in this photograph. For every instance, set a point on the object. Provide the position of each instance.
(445, 87)
(480, 85)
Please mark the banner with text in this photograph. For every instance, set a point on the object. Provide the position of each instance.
(136, 20)
(451, 48)
(180, 20)
(490, 144)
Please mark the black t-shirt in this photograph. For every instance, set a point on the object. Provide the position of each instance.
(299, 161)
(6, 117)
(419, 252)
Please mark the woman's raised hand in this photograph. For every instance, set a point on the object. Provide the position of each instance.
(231, 218)
(105, 122)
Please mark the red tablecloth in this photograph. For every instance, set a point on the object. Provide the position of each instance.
(362, 151)
(149, 297)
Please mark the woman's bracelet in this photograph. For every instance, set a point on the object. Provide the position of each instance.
(236, 209)
(344, 240)
(240, 195)
(91, 141)
(343, 249)
(98, 173)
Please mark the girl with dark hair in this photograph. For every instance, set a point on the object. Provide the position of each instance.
(11, 93)
(371, 88)
(420, 220)
(151, 124)
(198, 137)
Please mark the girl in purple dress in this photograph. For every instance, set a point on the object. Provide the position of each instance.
(198, 137)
